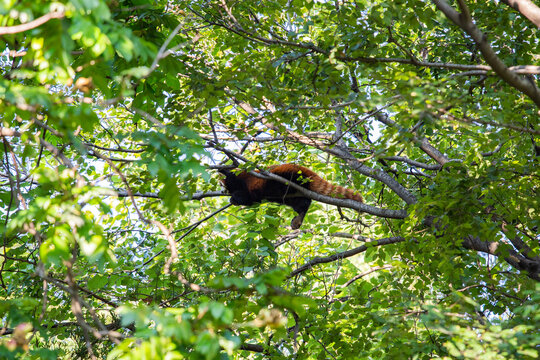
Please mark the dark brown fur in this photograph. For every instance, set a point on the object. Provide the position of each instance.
(246, 189)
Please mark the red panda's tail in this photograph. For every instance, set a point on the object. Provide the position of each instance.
(316, 183)
(323, 187)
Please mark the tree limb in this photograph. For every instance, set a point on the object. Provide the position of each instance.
(376, 268)
(422, 142)
(345, 254)
(522, 69)
(347, 203)
(195, 196)
(514, 258)
(524, 85)
(6, 30)
(526, 8)
(414, 162)
(337, 151)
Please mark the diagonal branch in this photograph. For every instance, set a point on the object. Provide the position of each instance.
(275, 40)
(422, 142)
(527, 8)
(464, 21)
(337, 151)
(345, 254)
(511, 256)
(6, 30)
(347, 203)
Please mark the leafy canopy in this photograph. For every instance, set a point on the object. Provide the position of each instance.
(117, 238)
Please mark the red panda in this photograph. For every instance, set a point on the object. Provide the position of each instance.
(246, 189)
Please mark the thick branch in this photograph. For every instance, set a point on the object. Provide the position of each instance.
(347, 203)
(522, 84)
(527, 8)
(515, 259)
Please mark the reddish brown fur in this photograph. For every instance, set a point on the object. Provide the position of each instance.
(246, 189)
(316, 183)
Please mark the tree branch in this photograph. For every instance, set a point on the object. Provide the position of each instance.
(345, 254)
(376, 268)
(524, 85)
(522, 69)
(347, 203)
(9, 132)
(422, 142)
(526, 8)
(414, 162)
(6, 30)
(514, 258)
(442, 112)
(252, 347)
(337, 151)
(195, 196)
(52, 149)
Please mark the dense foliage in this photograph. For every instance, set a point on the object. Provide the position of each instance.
(117, 240)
